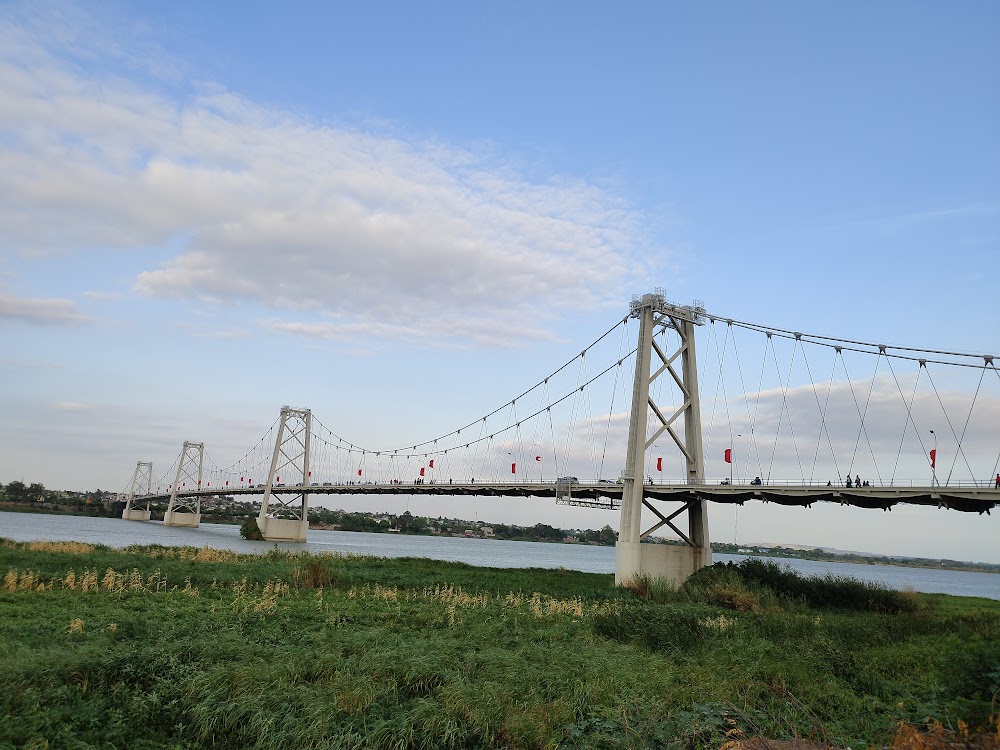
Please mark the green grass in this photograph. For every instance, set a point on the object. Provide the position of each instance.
(193, 649)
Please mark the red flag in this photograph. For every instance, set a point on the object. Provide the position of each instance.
(277, 479)
(659, 463)
(729, 455)
(432, 463)
(421, 471)
(513, 468)
(359, 472)
(227, 483)
(241, 479)
(538, 458)
(310, 473)
(933, 457)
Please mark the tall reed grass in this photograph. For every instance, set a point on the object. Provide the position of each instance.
(149, 647)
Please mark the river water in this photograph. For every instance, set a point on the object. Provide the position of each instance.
(113, 532)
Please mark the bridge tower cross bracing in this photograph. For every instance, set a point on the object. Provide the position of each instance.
(141, 484)
(185, 509)
(285, 522)
(632, 558)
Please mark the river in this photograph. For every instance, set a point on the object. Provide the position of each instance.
(113, 532)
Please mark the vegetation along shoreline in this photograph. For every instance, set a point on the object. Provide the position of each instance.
(19, 497)
(196, 648)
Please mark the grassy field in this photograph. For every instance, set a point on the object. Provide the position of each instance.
(185, 648)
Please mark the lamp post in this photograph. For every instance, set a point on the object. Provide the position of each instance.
(739, 435)
(934, 461)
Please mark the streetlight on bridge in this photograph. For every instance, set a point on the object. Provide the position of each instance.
(737, 443)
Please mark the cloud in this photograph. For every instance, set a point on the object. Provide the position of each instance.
(906, 221)
(323, 222)
(228, 334)
(38, 311)
(472, 330)
(101, 296)
(865, 426)
(71, 406)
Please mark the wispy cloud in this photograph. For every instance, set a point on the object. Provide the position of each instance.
(897, 222)
(231, 333)
(71, 406)
(371, 228)
(38, 311)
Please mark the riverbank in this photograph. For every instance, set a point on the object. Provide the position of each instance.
(325, 519)
(199, 647)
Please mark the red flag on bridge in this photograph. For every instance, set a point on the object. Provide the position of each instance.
(241, 479)
(421, 471)
(729, 455)
(513, 468)
(933, 457)
(659, 463)
(538, 458)
(431, 463)
(359, 472)
(227, 483)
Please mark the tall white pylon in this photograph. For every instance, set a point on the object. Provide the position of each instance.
(632, 558)
(141, 484)
(284, 522)
(186, 510)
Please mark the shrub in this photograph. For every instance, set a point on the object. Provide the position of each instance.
(676, 628)
(316, 573)
(250, 530)
(655, 589)
(829, 591)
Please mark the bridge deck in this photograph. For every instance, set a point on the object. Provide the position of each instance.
(608, 496)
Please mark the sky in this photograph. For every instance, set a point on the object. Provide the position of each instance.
(402, 216)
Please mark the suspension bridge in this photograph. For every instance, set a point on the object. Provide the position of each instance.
(656, 429)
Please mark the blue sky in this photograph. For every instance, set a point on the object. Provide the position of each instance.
(401, 215)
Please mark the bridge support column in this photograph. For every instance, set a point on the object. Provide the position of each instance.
(284, 522)
(141, 484)
(184, 508)
(632, 557)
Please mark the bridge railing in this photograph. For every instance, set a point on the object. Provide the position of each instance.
(330, 487)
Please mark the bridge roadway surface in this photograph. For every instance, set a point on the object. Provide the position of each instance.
(609, 496)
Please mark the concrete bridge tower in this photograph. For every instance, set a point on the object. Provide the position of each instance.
(632, 558)
(283, 518)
